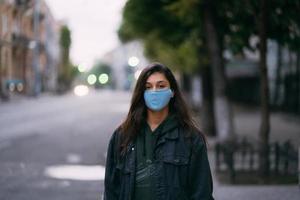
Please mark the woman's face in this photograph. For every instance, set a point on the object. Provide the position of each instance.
(157, 81)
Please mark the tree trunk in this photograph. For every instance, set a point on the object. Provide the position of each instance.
(290, 67)
(265, 121)
(207, 110)
(222, 107)
(278, 80)
(298, 83)
(186, 86)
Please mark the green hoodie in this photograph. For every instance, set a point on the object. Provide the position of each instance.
(145, 145)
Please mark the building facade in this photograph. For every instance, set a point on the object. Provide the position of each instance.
(126, 61)
(28, 48)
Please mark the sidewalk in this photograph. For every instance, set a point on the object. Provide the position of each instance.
(283, 126)
(247, 122)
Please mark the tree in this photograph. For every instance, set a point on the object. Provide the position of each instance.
(265, 116)
(278, 20)
(278, 77)
(170, 40)
(66, 72)
(214, 46)
(220, 25)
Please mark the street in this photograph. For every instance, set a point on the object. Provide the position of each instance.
(54, 148)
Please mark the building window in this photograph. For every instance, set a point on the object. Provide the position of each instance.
(4, 24)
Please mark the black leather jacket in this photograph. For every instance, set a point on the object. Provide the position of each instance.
(182, 169)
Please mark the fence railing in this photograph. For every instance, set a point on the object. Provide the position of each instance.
(243, 155)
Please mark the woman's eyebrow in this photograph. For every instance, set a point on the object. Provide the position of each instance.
(157, 82)
(163, 81)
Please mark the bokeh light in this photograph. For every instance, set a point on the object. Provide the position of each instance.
(103, 78)
(82, 67)
(92, 79)
(133, 61)
(81, 90)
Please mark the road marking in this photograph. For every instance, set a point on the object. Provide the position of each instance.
(76, 172)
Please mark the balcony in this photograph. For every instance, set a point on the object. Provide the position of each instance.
(20, 40)
(22, 2)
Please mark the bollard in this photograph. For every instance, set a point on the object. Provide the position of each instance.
(286, 148)
(277, 157)
(218, 151)
(251, 158)
(244, 148)
(299, 166)
(229, 159)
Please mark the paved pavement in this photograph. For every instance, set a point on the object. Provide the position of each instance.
(54, 147)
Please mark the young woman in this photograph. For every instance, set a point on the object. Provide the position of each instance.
(157, 153)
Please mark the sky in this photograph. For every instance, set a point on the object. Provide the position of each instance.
(93, 23)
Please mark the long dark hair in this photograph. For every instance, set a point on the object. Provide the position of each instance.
(137, 113)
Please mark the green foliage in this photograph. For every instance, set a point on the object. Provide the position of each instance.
(242, 17)
(187, 11)
(169, 27)
(65, 37)
(285, 23)
(67, 71)
(100, 68)
(126, 32)
(183, 58)
(166, 38)
(146, 16)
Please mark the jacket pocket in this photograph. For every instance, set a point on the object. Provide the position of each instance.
(176, 159)
(175, 170)
(175, 176)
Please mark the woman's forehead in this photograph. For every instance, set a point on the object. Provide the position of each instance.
(157, 77)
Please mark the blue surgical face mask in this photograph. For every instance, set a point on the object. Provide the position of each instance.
(156, 100)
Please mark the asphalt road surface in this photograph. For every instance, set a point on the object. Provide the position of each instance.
(54, 147)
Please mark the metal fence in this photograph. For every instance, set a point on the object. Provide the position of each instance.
(243, 156)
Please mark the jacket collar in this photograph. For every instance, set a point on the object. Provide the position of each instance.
(170, 129)
(170, 123)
